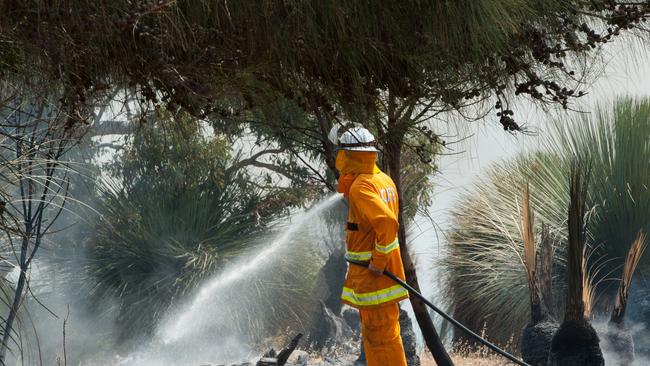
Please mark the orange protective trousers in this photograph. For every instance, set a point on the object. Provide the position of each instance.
(381, 336)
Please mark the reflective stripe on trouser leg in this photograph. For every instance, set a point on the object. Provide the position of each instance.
(381, 336)
(374, 298)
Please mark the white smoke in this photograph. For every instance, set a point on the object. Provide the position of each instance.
(638, 332)
(201, 330)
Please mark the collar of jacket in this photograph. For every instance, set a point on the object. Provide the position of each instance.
(352, 163)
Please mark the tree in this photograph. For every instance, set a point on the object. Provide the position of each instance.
(195, 53)
(35, 185)
(534, 62)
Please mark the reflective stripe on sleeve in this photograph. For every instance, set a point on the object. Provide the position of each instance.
(373, 298)
(358, 256)
(387, 248)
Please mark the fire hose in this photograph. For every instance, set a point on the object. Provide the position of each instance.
(453, 321)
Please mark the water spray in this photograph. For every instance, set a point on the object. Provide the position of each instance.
(181, 324)
(447, 317)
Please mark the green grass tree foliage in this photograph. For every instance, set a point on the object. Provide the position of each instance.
(174, 215)
(485, 275)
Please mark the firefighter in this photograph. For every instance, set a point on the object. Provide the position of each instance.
(371, 237)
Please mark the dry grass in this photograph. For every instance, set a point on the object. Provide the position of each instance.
(466, 357)
(469, 360)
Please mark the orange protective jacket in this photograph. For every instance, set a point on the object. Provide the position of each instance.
(371, 231)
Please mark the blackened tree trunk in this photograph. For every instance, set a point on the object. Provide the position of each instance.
(538, 334)
(576, 342)
(393, 152)
(408, 339)
(333, 273)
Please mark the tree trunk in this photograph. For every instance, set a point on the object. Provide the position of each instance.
(432, 339)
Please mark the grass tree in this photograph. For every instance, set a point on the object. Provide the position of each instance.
(537, 335)
(166, 223)
(576, 343)
(483, 269)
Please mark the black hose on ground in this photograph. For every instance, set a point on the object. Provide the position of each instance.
(453, 321)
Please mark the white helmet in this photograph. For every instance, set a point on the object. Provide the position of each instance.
(353, 138)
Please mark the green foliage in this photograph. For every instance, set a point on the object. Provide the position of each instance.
(292, 34)
(484, 269)
(193, 53)
(9, 55)
(175, 215)
(172, 158)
